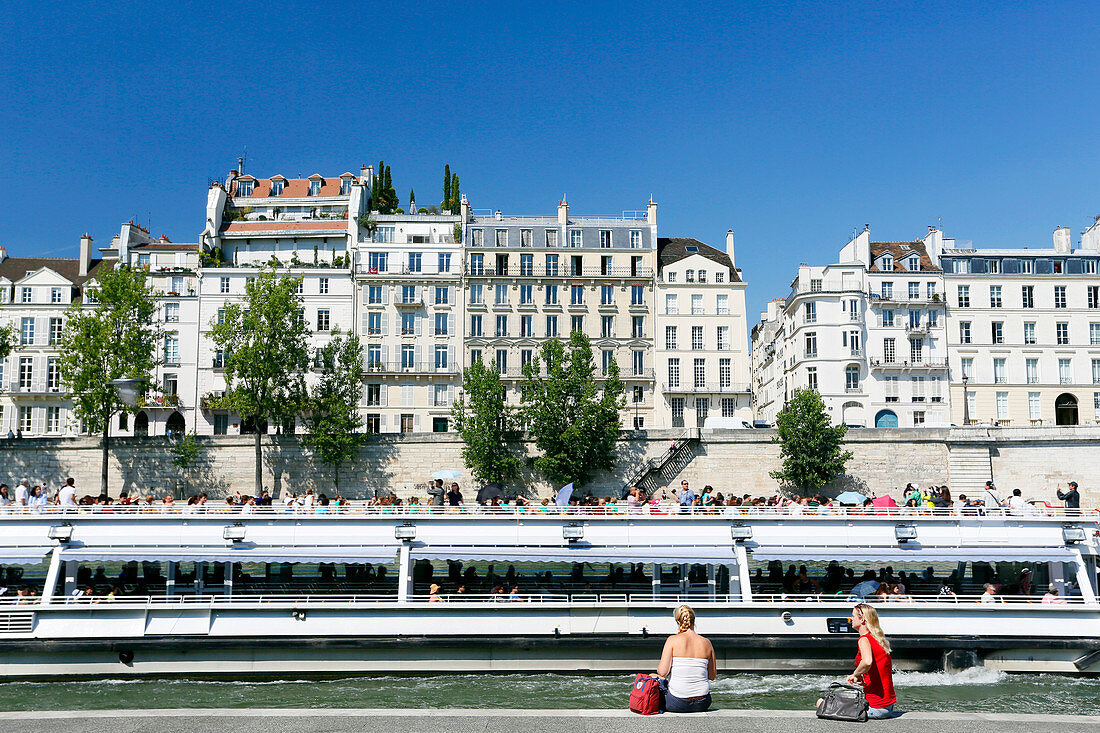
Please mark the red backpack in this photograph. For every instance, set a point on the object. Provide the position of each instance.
(645, 696)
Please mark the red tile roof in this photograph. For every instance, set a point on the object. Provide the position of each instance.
(294, 187)
(901, 250)
(166, 245)
(235, 227)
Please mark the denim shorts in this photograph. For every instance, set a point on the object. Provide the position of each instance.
(882, 713)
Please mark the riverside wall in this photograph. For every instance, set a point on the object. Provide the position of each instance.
(884, 460)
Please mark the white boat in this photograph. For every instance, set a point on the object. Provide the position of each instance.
(273, 593)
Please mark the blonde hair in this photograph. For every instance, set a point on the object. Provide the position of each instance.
(685, 618)
(870, 617)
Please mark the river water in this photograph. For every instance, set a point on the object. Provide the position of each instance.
(975, 690)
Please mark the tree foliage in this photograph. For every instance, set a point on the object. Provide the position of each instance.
(332, 411)
(382, 194)
(574, 421)
(266, 355)
(489, 427)
(8, 341)
(117, 338)
(446, 203)
(811, 446)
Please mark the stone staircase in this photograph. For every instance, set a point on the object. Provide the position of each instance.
(968, 467)
(655, 472)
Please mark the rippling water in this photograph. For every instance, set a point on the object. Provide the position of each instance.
(975, 690)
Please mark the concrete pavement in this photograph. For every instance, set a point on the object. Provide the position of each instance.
(530, 721)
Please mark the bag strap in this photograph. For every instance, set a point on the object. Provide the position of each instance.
(844, 685)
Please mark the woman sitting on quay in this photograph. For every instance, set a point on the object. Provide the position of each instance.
(687, 667)
(874, 666)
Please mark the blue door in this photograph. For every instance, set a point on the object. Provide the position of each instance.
(886, 419)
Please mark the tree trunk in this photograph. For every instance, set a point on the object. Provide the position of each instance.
(106, 446)
(336, 479)
(259, 462)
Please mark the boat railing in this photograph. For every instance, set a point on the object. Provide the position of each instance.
(579, 599)
(655, 511)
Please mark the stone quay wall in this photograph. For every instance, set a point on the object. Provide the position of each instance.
(1037, 460)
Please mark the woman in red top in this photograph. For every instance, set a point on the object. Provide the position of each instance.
(874, 668)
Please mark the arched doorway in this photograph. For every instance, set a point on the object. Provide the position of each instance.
(176, 426)
(141, 425)
(886, 419)
(852, 414)
(1065, 409)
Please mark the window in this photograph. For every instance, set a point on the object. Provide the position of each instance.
(244, 188)
(997, 331)
(1027, 296)
(476, 326)
(477, 264)
(526, 265)
(315, 188)
(995, 296)
(1002, 405)
(56, 295)
(815, 285)
(670, 338)
(606, 297)
(322, 285)
(408, 423)
(409, 295)
(677, 404)
(1096, 371)
(912, 263)
(551, 295)
(502, 237)
(674, 373)
(478, 237)
(670, 277)
(672, 307)
(697, 305)
(526, 356)
(575, 238)
(374, 354)
(889, 350)
(475, 356)
(1094, 334)
(56, 328)
(916, 351)
(851, 378)
(171, 349)
(1058, 267)
(26, 295)
(1064, 371)
(605, 238)
(702, 276)
(699, 373)
(277, 187)
(999, 371)
(323, 319)
(637, 295)
(639, 362)
(26, 331)
(477, 296)
(811, 345)
(887, 318)
(993, 267)
(1029, 332)
(914, 291)
(300, 287)
(524, 237)
(576, 323)
(26, 371)
(223, 285)
(607, 326)
(853, 310)
(933, 318)
(725, 373)
(931, 290)
(967, 368)
(526, 294)
(25, 419)
(442, 295)
(502, 361)
(607, 358)
(1059, 296)
(444, 262)
(551, 238)
(887, 262)
(914, 318)
(723, 338)
(377, 262)
(442, 322)
(526, 326)
(1061, 331)
(374, 324)
(442, 360)
(374, 424)
(53, 419)
(964, 332)
(53, 375)
(811, 378)
(635, 239)
(964, 296)
(1088, 267)
(637, 327)
(689, 276)
(1031, 369)
(1094, 296)
(374, 294)
(887, 290)
(408, 357)
(551, 326)
(576, 295)
(1034, 408)
(500, 294)
(1026, 267)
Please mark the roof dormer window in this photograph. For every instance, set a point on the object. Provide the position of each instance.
(244, 188)
(913, 263)
(277, 185)
(887, 263)
(345, 186)
(315, 187)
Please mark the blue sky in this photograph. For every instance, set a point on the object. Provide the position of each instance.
(792, 123)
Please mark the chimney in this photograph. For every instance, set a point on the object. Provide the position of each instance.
(85, 254)
(651, 212)
(1062, 240)
(366, 175)
(3, 253)
(729, 246)
(240, 165)
(563, 212)
(1090, 240)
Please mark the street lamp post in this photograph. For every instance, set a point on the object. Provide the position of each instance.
(966, 403)
(129, 390)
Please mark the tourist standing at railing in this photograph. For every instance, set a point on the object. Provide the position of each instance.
(5, 500)
(454, 496)
(66, 498)
(687, 497)
(1070, 496)
(23, 495)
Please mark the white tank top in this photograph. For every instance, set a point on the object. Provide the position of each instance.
(688, 677)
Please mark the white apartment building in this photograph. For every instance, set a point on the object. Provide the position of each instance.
(702, 346)
(528, 279)
(866, 332)
(1024, 332)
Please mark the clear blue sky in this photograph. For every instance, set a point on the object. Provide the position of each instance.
(791, 123)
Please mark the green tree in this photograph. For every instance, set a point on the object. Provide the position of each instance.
(455, 195)
(488, 426)
(332, 411)
(115, 339)
(810, 445)
(266, 355)
(574, 421)
(412, 201)
(8, 341)
(446, 204)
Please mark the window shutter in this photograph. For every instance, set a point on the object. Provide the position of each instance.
(364, 322)
(385, 294)
(416, 423)
(450, 358)
(385, 354)
(382, 397)
(38, 420)
(385, 324)
(416, 351)
(365, 294)
(450, 324)
(1010, 266)
(41, 331)
(382, 423)
(38, 377)
(1074, 267)
(418, 322)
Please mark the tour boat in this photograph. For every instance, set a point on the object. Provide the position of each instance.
(273, 593)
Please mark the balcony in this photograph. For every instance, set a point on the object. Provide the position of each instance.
(927, 301)
(170, 401)
(924, 364)
(417, 302)
(213, 401)
(563, 271)
(35, 387)
(918, 329)
(706, 388)
(400, 367)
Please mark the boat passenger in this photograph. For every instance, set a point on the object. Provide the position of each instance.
(433, 594)
(1052, 596)
(874, 666)
(990, 595)
(687, 667)
(1070, 496)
